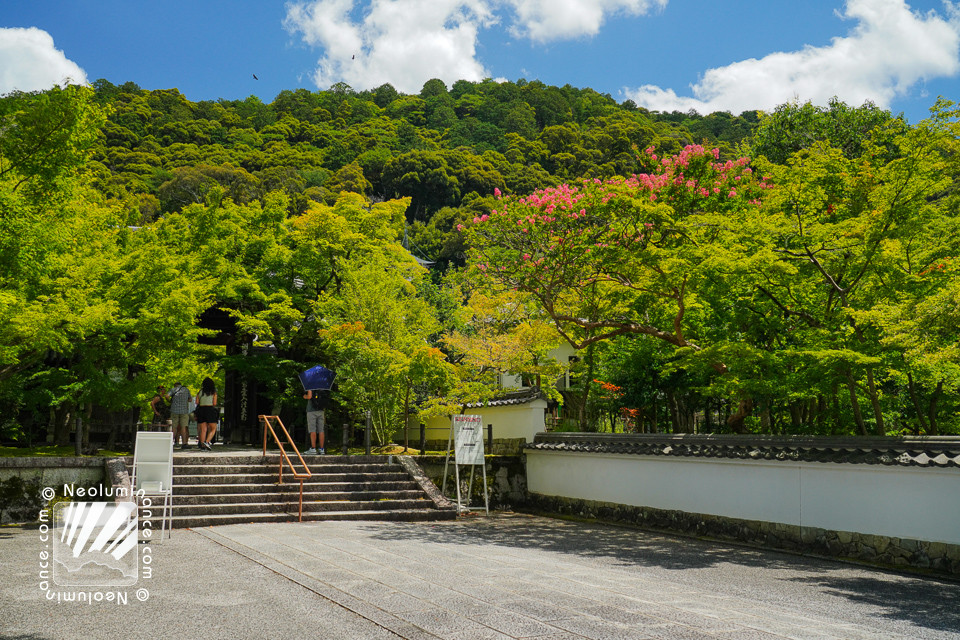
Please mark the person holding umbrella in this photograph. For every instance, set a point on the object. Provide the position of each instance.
(316, 419)
(317, 383)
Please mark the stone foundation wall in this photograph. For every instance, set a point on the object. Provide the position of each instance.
(54, 472)
(936, 557)
(23, 479)
(506, 479)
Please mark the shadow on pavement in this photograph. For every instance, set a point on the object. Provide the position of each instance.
(925, 602)
(629, 547)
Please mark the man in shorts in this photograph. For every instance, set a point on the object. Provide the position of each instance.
(180, 413)
(316, 419)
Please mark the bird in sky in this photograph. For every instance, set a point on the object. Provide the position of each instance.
(255, 77)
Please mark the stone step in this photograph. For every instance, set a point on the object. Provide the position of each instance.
(256, 469)
(416, 515)
(410, 515)
(180, 490)
(271, 478)
(196, 456)
(292, 497)
(211, 489)
(227, 508)
(315, 506)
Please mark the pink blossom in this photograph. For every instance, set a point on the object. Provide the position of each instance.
(732, 194)
(496, 192)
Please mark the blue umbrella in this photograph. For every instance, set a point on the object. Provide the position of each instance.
(317, 378)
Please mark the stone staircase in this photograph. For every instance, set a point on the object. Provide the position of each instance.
(231, 489)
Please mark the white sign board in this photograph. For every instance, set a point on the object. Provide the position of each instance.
(468, 439)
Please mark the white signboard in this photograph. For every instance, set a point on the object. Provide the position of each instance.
(468, 439)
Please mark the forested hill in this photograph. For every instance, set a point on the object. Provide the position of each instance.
(446, 148)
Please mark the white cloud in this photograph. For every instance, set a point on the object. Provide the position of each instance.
(403, 42)
(888, 51)
(546, 20)
(30, 62)
(407, 42)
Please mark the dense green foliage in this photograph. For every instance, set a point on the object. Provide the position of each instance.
(746, 273)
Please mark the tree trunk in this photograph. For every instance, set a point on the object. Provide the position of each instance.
(78, 433)
(921, 419)
(672, 406)
(821, 413)
(61, 425)
(855, 404)
(736, 420)
(765, 423)
(835, 396)
(934, 398)
(406, 421)
(115, 429)
(653, 417)
(586, 390)
(875, 401)
(796, 418)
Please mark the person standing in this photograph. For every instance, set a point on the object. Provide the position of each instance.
(207, 414)
(161, 410)
(316, 419)
(180, 414)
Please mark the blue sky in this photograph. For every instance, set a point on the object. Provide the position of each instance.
(663, 54)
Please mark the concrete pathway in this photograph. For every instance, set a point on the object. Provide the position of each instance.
(507, 576)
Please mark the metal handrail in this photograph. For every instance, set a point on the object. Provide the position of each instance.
(283, 455)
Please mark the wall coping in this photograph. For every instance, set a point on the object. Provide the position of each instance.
(51, 462)
(929, 452)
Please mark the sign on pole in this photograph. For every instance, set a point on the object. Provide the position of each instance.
(466, 434)
(468, 439)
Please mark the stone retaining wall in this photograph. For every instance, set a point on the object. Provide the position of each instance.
(54, 472)
(23, 479)
(506, 479)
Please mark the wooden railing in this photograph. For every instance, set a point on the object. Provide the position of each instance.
(284, 458)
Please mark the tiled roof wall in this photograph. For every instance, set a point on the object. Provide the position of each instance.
(926, 451)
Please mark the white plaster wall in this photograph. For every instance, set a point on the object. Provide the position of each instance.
(511, 421)
(560, 353)
(902, 502)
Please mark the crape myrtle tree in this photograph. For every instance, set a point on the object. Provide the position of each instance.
(624, 256)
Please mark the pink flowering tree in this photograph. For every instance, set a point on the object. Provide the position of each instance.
(625, 255)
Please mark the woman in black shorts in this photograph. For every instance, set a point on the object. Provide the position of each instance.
(207, 414)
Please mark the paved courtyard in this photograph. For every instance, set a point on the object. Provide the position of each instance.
(507, 576)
